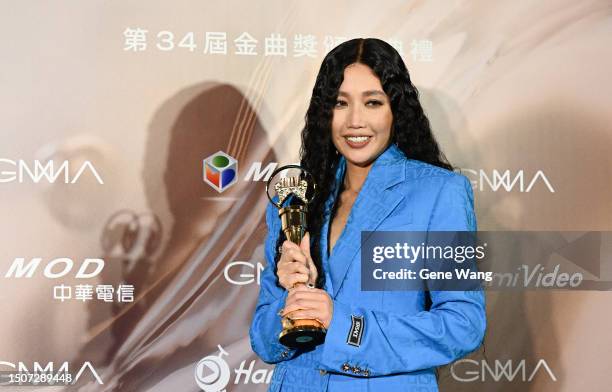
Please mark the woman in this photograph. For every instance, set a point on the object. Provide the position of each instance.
(377, 166)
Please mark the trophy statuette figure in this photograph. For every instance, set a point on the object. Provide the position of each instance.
(292, 208)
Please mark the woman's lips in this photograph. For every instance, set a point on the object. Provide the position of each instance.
(357, 142)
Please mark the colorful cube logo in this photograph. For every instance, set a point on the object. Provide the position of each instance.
(220, 171)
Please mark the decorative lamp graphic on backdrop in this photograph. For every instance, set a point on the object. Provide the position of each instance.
(203, 232)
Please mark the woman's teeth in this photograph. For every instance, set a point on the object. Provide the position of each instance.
(357, 139)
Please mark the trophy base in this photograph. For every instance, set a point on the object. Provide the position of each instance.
(302, 336)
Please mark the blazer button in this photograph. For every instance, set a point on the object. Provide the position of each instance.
(346, 367)
(366, 373)
(322, 372)
(284, 354)
(356, 370)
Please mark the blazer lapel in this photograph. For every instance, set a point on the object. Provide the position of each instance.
(373, 204)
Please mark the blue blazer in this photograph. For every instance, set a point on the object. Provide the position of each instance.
(401, 340)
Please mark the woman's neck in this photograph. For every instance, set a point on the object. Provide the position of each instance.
(355, 177)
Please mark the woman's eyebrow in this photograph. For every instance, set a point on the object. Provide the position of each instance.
(365, 93)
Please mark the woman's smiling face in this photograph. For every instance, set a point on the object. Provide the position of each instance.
(362, 117)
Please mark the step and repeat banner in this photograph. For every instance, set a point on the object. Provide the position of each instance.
(124, 267)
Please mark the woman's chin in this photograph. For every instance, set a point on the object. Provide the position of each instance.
(362, 158)
(361, 161)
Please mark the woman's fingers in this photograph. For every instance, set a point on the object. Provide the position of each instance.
(294, 267)
(300, 305)
(313, 273)
(307, 303)
(288, 245)
(291, 273)
(293, 254)
(309, 314)
(290, 280)
(302, 298)
(306, 293)
(305, 248)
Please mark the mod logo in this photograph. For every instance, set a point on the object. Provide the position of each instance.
(220, 171)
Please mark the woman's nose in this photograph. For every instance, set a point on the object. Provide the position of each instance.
(355, 119)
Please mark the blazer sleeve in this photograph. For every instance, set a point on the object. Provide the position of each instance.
(266, 323)
(392, 342)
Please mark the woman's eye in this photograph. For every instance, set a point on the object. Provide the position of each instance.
(374, 102)
(340, 103)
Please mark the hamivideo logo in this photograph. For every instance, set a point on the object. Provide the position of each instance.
(212, 373)
(220, 171)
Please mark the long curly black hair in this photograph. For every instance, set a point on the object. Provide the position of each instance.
(410, 129)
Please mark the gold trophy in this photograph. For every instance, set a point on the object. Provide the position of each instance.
(292, 191)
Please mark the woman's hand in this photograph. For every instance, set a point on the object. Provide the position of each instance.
(295, 264)
(306, 303)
